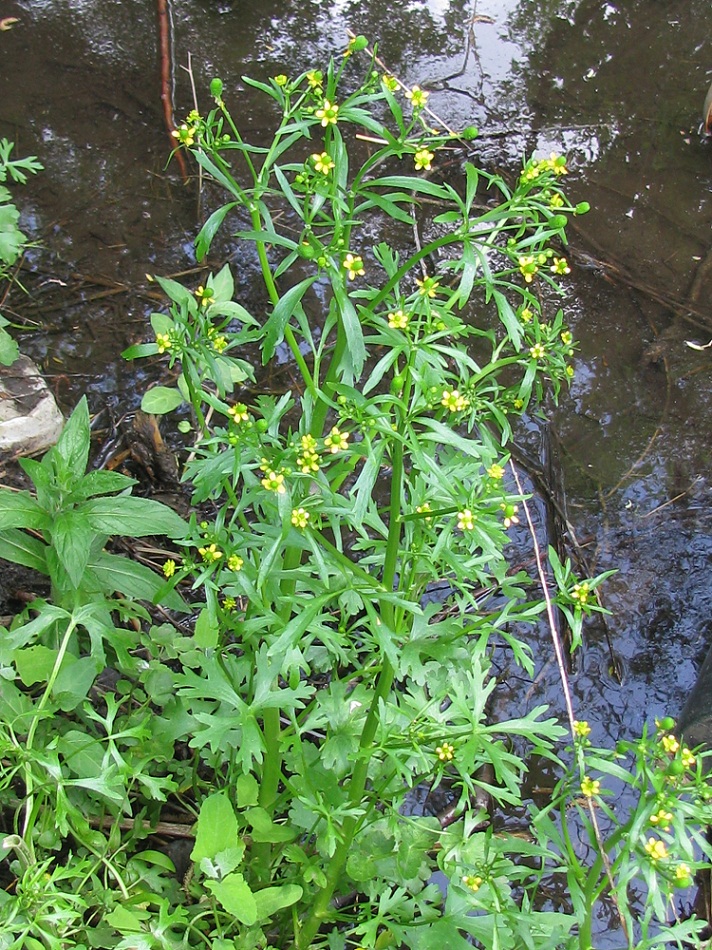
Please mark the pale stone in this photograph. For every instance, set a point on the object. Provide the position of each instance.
(30, 420)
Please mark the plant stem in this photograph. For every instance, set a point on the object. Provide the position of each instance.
(357, 787)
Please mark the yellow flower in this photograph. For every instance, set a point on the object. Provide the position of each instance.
(661, 818)
(496, 472)
(428, 286)
(528, 268)
(454, 401)
(398, 320)
(390, 82)
(169, 568)
(538, 351)
(510, 514)
(274, 481)
(581, 729)
(580, 593)
(354, 265)
(687, 758)
(560, 266)
(423, 159)
(210, 554)
(205, 296)
(315, 78)
(445, 752)
(328, 113)
(465, 520)
(526, 315)
(229, 603)
(219, 343)
(281, 80)
(670, 744)
(323, 163)
(235, 562)
(300, 517)
(163, 342)
(184, 134)
(337, 441)
(683, 875)
(556, 201)
(238, 412)
(656, 849)
(472, 881)
(566, 338)
(418, 97)
(590, 786)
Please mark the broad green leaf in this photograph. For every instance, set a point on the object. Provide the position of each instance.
(271, 899)
(12, 240)
(235, 896)
(133, 580)
(161, 399)
(74, 681)
(73, 444)
(217, 828)
(34, 664)
(9, 350)
(138, 350)
(18, 509)
(508, 318)
(280, 316)
(72, 536)
(176, 292)
(100, 482)
(132, 517)
(264, 829)
(223, 285)
(247, 790)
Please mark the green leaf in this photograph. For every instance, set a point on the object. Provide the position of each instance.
(12, 240)
(280, 316)
(223, 285)
(271, 899)
(73, 444)
(235, 896)
(18, 509)
(161, 399)
(132, 517)
(34, 664)
(75, 679)
(134, 580)
(217, 828)
(206, 629)
(9, 350)
(140, 349)
(247, 790)
(264, 829)
(508, 318)
(210, 229)
(72, 536)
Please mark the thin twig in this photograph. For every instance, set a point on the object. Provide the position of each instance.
(559, 652)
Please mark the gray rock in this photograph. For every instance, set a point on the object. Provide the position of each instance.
(30, 420)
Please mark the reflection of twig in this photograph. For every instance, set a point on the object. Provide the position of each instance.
(165, 53)
(401, 85)
(671, 501)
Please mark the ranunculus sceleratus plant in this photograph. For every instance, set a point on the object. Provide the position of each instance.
(352, 570)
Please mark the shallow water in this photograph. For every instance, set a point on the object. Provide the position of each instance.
(617, 86)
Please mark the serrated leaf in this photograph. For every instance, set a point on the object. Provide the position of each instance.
(18, 509)
(133, 580)
(132, 517)
(73, 444)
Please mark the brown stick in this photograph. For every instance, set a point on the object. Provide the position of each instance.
(164, 46)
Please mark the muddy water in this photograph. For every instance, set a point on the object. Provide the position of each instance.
(618, 86)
